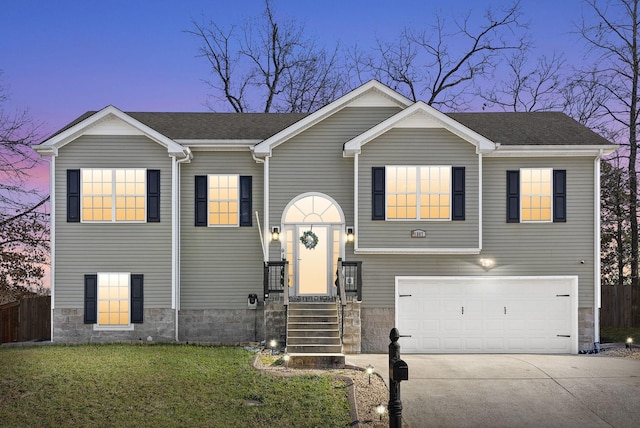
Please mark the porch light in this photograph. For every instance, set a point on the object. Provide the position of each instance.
(275, 233)
(380, 410)
(369, 372)
(350, 234)
(628, 343)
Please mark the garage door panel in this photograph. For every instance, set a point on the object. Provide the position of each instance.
(447, 314)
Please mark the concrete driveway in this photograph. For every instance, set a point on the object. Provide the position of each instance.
(516, 390)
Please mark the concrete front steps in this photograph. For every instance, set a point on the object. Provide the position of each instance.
(313, 335)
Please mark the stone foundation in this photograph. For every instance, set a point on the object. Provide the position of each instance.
(586, 329)
(223, 326)
(69, 327)
(352, 340)
(275, 320)
(376, 325)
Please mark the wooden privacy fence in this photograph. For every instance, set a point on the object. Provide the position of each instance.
(25, 320)
(616, 306)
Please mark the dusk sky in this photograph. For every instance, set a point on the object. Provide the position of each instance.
(62, 58)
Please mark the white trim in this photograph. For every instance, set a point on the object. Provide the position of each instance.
(436, 251)
(113, 327)
(51, 145)
(574, 294)
(480, 193)
(551, 151)
(356, 204)
(430, 117)
(301, 196)
(222, 142)
(52, 237)
(266, 229)
(174, 237)
(597, 303)
(265, 148)
(114, 196)
(551, 193)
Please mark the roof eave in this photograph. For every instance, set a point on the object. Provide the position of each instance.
(556, 150)
(482, 144)
(51, 145)
(264, 148)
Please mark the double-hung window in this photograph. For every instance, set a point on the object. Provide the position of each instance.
(223, 200)
(113, 300)
(536, 195)
(113, 195)
(418, 193)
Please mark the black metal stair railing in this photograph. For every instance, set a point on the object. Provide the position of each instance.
(276, 277)
(352, 278)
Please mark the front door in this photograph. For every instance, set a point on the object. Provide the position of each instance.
(313, 266)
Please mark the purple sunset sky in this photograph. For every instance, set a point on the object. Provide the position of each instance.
(61, 58)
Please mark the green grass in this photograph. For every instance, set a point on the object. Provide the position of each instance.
(619, 335)
(159, 386)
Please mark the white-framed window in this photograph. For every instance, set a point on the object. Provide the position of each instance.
(223, 200)
(113, 195)
(114, 296)
(418, 192)
(536, 196)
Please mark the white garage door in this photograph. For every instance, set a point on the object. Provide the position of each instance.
(487, 314)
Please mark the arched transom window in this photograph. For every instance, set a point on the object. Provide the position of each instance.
(313, 209)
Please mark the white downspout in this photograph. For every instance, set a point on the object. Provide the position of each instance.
(175, 233)
(597, 303)
(355, 203)
(52, 234)
(265, 233)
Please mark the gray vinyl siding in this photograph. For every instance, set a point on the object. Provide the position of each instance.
(519, 249)
(418, 147)
(312, 162)
(219, 266)
(86, 248)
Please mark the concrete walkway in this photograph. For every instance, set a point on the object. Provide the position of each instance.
(516, 390)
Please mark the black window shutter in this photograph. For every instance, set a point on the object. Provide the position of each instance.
(153, 195)
(137, 298)
(559, 195)
(73, 195)
(245, 200)
(513, 196)
(201, 201)
(458, 185)
(91, 299)
(378, 193)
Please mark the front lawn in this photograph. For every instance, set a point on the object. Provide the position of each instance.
(159, 386)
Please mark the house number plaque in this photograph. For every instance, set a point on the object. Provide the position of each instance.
(418, 233)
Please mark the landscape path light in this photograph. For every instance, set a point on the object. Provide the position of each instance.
(369, 372)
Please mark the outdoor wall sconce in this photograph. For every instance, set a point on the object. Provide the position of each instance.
(487, 263)
(350, 234)
(275, 233)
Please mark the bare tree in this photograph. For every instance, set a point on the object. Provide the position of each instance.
(269, 65)
(441, 63)
(528, 88)
(612, 36)
(24, 230)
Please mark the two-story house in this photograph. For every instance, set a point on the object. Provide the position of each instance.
(470, 232)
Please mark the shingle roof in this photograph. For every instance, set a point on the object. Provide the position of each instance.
(531, 129)
(218, 126)
(509, 128)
